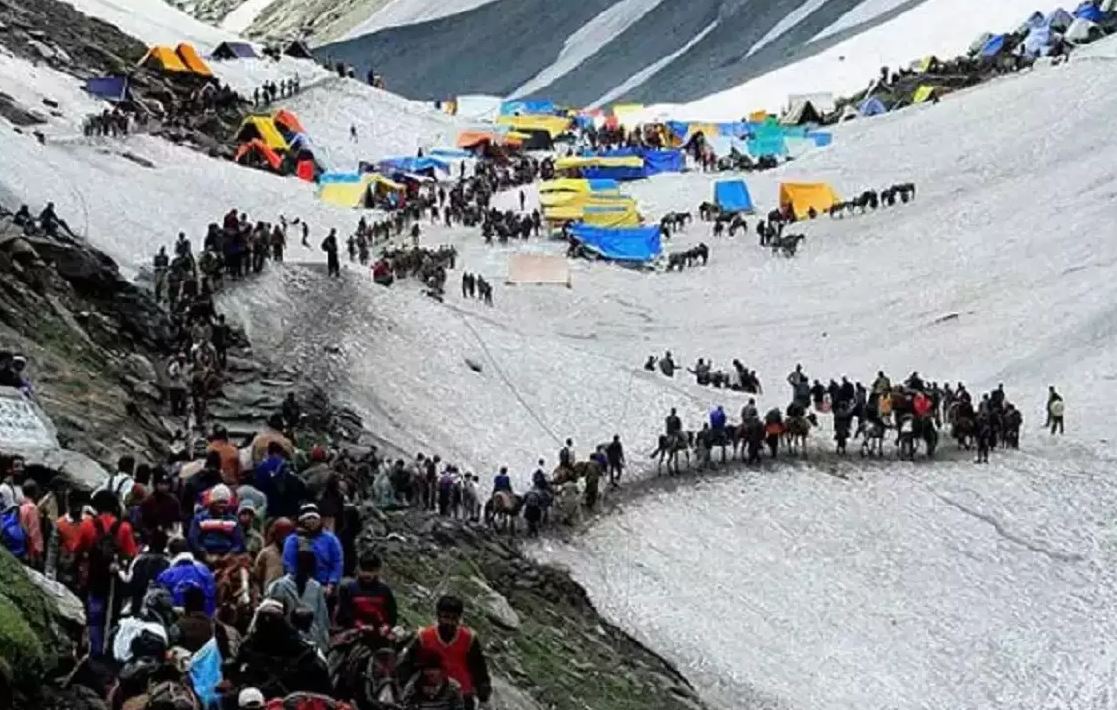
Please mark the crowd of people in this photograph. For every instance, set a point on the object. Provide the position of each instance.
(267, 93)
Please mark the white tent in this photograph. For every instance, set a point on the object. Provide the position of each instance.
(538, 269)
(823, 101)
(1082, 31)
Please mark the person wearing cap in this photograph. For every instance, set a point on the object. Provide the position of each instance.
(253, 540)
(459, 649)
(431, 688)
(276, 659)
(301, 590)
(268, 565)
(230, 456)
(323, 543)
(215, 530)
(186, 572)
(250, 699)
(366, 602)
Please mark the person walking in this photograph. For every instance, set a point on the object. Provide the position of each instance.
(1055, 410)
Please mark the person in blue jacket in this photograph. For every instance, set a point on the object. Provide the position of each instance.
(216, 530)
(502, 481)
(323, 543)
(185, 572)
(717, 419)
(284, 490)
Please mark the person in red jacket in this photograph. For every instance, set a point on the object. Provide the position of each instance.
(462, 655)
(366, 602)
(107, 543)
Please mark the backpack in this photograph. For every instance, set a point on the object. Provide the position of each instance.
(104, 553)
(12, 534)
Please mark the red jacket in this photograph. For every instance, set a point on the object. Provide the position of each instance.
(455, 655)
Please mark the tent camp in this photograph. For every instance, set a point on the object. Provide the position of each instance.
(298, 50)
(108, 88)
(732, 196)
(640, 244)
(538, 269)
(803, 196)
(191, 60)
(872, 106)
(256, 153)
(234, 50)
(288, 121)
(358, 191)
(800, 113)
(1083, 31)
(163, 58)
(263, 128)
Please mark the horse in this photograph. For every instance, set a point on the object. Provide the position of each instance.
(719, 227)
(838, 209)
(738, 222)
(788, 244)
(962, 428)
(913, 428)
(678, 260)
(723, 439)
(871, 432)
(360, 662)
(869, 199)
(238, 594)
(798, 431)
(501, 511)
(708, 211)
(669, 448)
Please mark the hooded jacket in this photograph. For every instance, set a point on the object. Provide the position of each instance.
(183, 572)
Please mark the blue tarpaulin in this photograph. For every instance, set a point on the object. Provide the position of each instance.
(632, 244)
(821, 138)
(740, 129)
(613, 172)
(655, 161)
(680, 129)
(338, 177)
(413, 165)
(732, 196)
(528, 108)
(993, 46)
(1089, 11)
(109, 88)
(450, 154)
(603, 185)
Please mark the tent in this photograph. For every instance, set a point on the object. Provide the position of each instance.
(579, 185)
(163, 59)
(417, 166)
(1058, 20)
(190, 58)
(599, 161)
(801, 112)
(627, 115)
(758, 116)
(768, 140)
(802, 196)
(234, 50)
(1083, 31)
(638, 244)
(926, 64)
(872, 106)
(923, 94)
(538, 269)
(298, 50)
(528, 107)
(474, 139)
(537, 139)
(343, 191)
(1089, 10)
(287, 121)
(109, 88)
(1039, 41)
(585, 199)
(733, 196)
(256, 152)
(553, 125)
(978, 44)
(823, 101)
(262, 127)
(993, 46)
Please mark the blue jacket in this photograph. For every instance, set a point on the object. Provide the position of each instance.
(285, 491)
(717, 418)
(326, 549)
(216, 536)
(184, 572)
(502, 483)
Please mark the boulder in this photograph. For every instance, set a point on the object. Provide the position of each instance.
(494, 605)
(33, 630)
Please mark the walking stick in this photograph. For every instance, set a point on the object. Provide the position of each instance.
(108, 612)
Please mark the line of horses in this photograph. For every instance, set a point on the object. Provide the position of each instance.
(872, 199)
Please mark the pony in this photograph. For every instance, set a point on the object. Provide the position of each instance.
(501, 511)
(798, 431)
(871, 432)
(669, 448)
(238, 593)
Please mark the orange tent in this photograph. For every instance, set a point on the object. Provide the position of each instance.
(472, 139)
(163, 58)
(190, 58)
(259, 149)
(288, 121)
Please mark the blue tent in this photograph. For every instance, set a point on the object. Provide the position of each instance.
(1058, 20)
(450, 153)
(872, 106)
(739, 129)
(109, 88)
(1089, 11)
(528, 108)
(325, 178)
(663, 161)
(630, 244)
(413, 165)
(234, 50)
(613, 172)
(1039, 41)
(732, 196)
(993, 46)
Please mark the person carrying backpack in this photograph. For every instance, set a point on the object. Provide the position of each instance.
(12, 534)
(106, 541)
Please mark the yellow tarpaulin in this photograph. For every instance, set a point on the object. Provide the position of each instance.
(355, 194)
(262, 127)
(159, 57)
(599, 161)
(554, 125)
(555, 199)
(802, 196)
(923, 94)
(617, 214)
(575, 185)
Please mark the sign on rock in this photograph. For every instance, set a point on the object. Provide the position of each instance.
(21, 424)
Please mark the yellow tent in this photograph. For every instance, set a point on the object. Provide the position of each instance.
(574, 185)
(191, 60)
(553, 125)
(758, 116)
(555, 199)
(599, 161)
(163, 58)
(356, 194)
(923, 94)
(802, 196)
(262, 127)
(596, 211)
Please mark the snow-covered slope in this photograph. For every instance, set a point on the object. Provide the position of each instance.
(648, 51)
